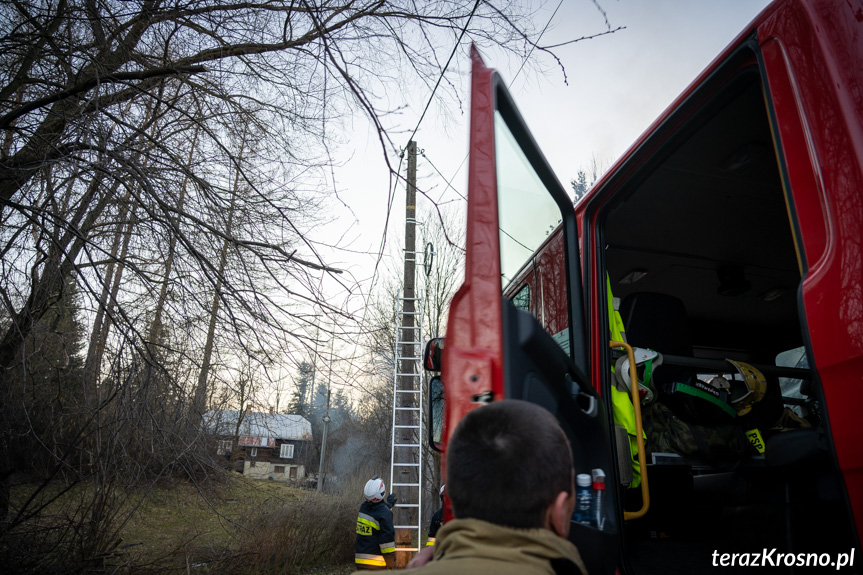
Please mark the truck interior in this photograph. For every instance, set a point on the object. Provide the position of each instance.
(699, 247)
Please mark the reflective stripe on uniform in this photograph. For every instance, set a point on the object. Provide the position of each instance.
(366, 559)
(366, 524)
(388, 547)
(430, 541)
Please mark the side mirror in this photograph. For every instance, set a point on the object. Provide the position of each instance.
(436, 412)
(433, 353)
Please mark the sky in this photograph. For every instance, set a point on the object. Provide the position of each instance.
(614, 87)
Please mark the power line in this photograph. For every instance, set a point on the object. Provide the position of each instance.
(444, 69)
(534, 45)
(391, 197)
(416, 128)
(448, 182)
(526, 58)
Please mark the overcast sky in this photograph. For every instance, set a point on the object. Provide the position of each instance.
(616, 86)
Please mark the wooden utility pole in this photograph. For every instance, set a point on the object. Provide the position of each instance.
(407, 381)
(410, 245)
(322, 466)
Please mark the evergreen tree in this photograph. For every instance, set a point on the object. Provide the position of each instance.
(580, 186)
(299, 403)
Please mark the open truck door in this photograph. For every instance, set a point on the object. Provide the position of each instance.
(726, 237)
(494, 350)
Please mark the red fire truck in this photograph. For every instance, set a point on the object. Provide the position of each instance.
(732, 229)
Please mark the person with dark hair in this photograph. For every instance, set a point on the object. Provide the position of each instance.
(511, 484)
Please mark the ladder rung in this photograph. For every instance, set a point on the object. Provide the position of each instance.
(407, 504)
(407, 343)
(406, 464)
(407, 391)
(407, 374)
(408, 409)
(406, 444)
(406, 484)
(407, 426)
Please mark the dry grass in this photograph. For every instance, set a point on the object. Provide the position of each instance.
(299, 536)
(233, 526)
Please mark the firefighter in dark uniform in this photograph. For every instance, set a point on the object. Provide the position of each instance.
(376, 537)
(436, 521)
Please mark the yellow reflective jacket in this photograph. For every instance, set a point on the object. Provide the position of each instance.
(375, 534)
(621, 403)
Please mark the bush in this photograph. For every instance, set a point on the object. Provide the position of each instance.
(315, 531)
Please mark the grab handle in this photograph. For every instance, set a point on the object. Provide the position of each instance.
(639, 433)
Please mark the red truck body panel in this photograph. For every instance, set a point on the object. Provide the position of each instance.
(811, 63)
(813, 58)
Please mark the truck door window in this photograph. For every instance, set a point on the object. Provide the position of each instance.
(528, 218)
(526, 211)
(521, 300)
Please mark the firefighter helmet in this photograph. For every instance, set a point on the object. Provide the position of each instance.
(646, 361)
(743, 394)
(375, 489)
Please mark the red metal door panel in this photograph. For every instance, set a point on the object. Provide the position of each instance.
(813, 55)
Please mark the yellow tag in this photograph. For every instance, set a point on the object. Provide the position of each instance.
(363, 529)
(755, 440)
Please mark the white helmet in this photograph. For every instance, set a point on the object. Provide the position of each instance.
(375, 489)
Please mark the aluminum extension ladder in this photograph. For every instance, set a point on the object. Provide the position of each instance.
(406, 468)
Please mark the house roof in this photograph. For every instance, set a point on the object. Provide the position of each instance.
(255, 424)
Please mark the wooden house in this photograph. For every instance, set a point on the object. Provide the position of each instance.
(266, 445)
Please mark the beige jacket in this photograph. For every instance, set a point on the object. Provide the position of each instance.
(471, 546)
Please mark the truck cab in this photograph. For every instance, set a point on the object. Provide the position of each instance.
(731, 230)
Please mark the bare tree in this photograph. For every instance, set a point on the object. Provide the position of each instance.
(128, 200)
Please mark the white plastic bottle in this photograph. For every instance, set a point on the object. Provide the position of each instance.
(583, 500)
(598, 476)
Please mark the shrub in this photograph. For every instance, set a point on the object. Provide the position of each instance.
(293, 537)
